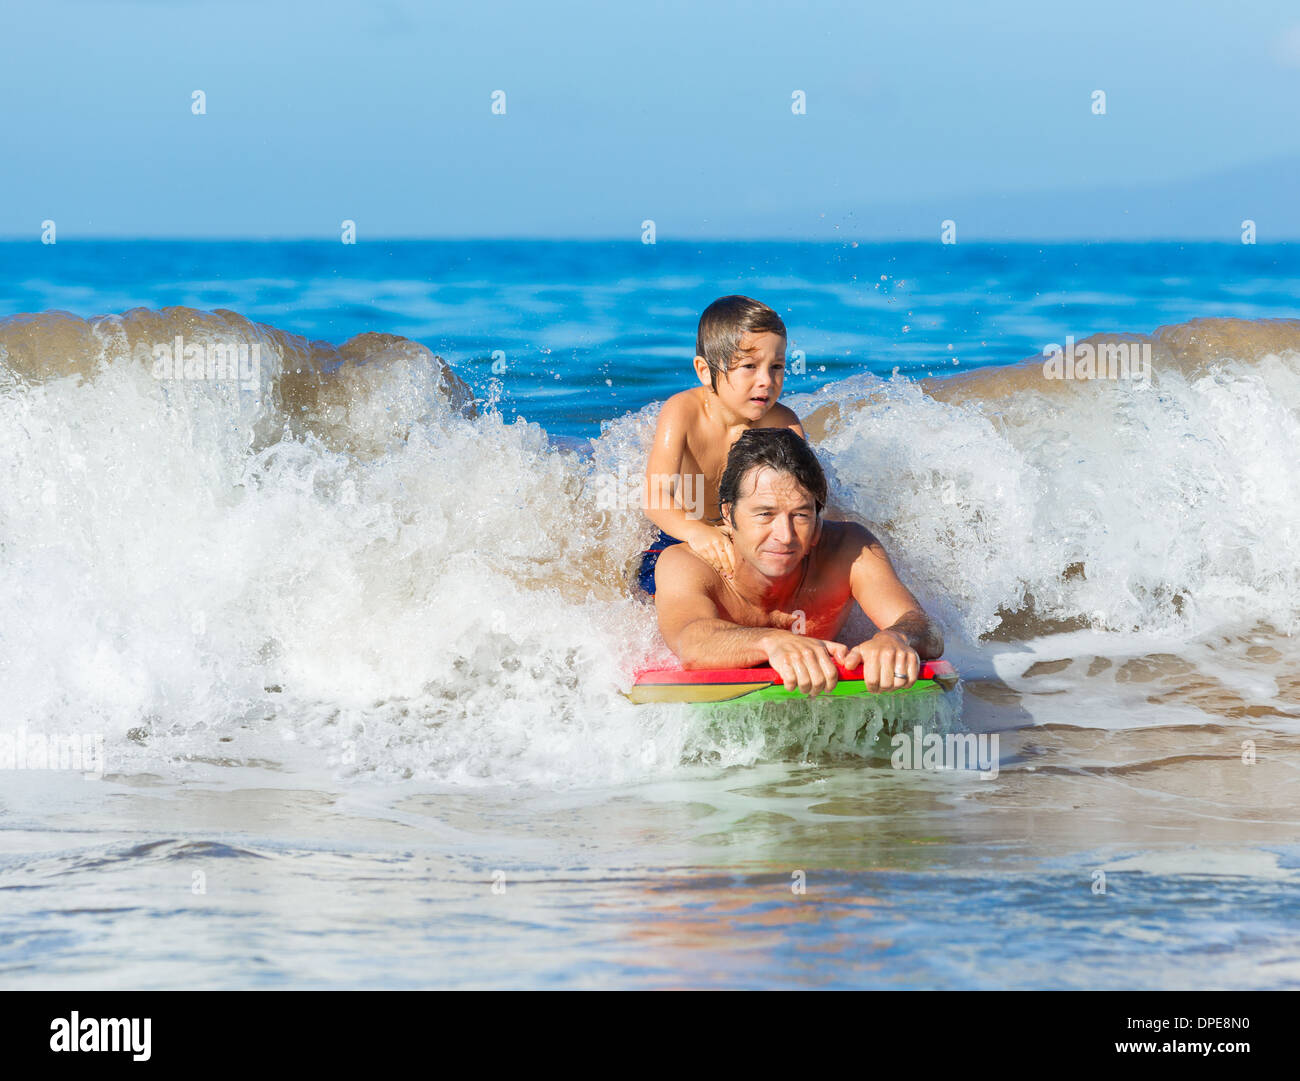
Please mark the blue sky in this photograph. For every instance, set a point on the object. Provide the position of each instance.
(676, 111)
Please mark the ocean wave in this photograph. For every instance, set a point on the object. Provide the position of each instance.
(1021, 503)
(342, 556)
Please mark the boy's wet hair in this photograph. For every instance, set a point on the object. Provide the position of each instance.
(724, 323)
(774, 448)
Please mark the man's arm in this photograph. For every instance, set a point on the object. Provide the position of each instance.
(906, 636)
(918, 632)
(690, 621)
(697, 632)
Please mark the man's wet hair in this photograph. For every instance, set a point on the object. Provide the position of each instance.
(724, 323)
(774, 448)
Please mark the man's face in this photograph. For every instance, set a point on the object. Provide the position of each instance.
(752, 385)
(775, 522)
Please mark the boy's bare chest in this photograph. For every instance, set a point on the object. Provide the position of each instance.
(702, 469)
(706, 463)
(705, 455)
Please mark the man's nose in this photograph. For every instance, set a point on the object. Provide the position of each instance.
(782, 529)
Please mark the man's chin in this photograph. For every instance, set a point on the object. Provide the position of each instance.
(775, 566)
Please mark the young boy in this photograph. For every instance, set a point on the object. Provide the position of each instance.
(740, 362)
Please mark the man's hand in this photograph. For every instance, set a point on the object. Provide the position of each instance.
(713, 546)
(888, 662)
(805, 663)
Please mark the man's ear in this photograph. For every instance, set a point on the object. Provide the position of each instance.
(817, 532)
(727, 524)
(702, 371)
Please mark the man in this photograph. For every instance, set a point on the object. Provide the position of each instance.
(794, 572)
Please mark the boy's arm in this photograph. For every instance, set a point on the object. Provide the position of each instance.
(666, 489)
(663, 471)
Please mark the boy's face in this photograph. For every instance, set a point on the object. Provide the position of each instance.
(753, 383)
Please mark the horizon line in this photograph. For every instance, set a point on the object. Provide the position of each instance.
(558, 239)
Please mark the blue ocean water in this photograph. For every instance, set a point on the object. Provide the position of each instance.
(593, 330)
(346, 694)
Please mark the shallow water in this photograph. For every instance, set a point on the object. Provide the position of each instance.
(1145, 857)
(909, 879)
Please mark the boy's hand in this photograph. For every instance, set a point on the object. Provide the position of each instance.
(713, 546)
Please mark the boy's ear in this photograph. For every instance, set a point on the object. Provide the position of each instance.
(702, 371)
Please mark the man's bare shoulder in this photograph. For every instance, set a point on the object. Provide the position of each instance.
(847, 539)
(684, 569)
